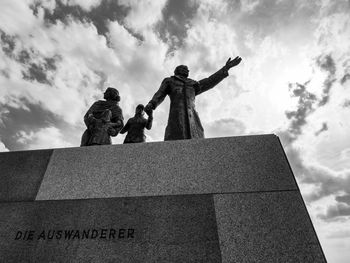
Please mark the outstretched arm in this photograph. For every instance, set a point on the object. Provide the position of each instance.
(158, 97)
(125, 128)
(149, 120)
(217, 77)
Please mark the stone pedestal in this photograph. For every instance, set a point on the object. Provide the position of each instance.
(209, 200)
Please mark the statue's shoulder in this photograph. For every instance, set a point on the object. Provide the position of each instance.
(99, 103)
(188, 81)
(167, 80)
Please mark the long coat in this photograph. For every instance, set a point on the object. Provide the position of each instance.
(183, 121)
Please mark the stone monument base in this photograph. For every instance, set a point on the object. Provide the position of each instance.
(209, 200)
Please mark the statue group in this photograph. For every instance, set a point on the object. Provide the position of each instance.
(105, 117)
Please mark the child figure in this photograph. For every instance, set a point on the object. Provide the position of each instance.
(101, 128)
(136, 125)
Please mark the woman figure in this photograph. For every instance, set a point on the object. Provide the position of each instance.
(97, 110)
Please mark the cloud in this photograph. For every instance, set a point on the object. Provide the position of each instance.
(335, 211)
(98, 12)
(87, 5)
(23, 23)
(29, 118)
(59, 68)
(324, 181)
(323, 129)
(317, 99)
(346, 103)
(144, 15)
(343, 199)
(177, 19)
(59, 74)
(3, 147)
(327, 63)
(306, 101)
(327, 181)
(345, 78)
(49, 137)
(225, 127)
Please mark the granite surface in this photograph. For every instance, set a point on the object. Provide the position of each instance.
(266, 227)
(145, 229)
(220, 165)
(214, 200)
(21, 174)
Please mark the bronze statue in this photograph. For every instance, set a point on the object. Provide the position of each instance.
(103, 119)
(183, 121)
(100, 128)
(136, 125)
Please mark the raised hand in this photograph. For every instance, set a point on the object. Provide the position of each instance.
(149, 112)
(148, 109)
(232, 63)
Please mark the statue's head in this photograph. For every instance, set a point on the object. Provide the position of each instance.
(182, 71)
(139, 109)
(111, 94)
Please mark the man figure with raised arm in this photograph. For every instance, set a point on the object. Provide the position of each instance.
(183, 121)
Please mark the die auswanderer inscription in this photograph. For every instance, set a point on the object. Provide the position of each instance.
(76, 234)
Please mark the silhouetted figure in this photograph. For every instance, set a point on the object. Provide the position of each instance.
(183, 121)
(135, 126)
(98, 111)
(100, 128)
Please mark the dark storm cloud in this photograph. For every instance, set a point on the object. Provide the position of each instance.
(34, 70)
(177, 16)
(323, 129)
(19, 119)
(108, 10)
(326, 63)
(306, 101)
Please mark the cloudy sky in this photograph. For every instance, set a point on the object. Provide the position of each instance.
(57, 57)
